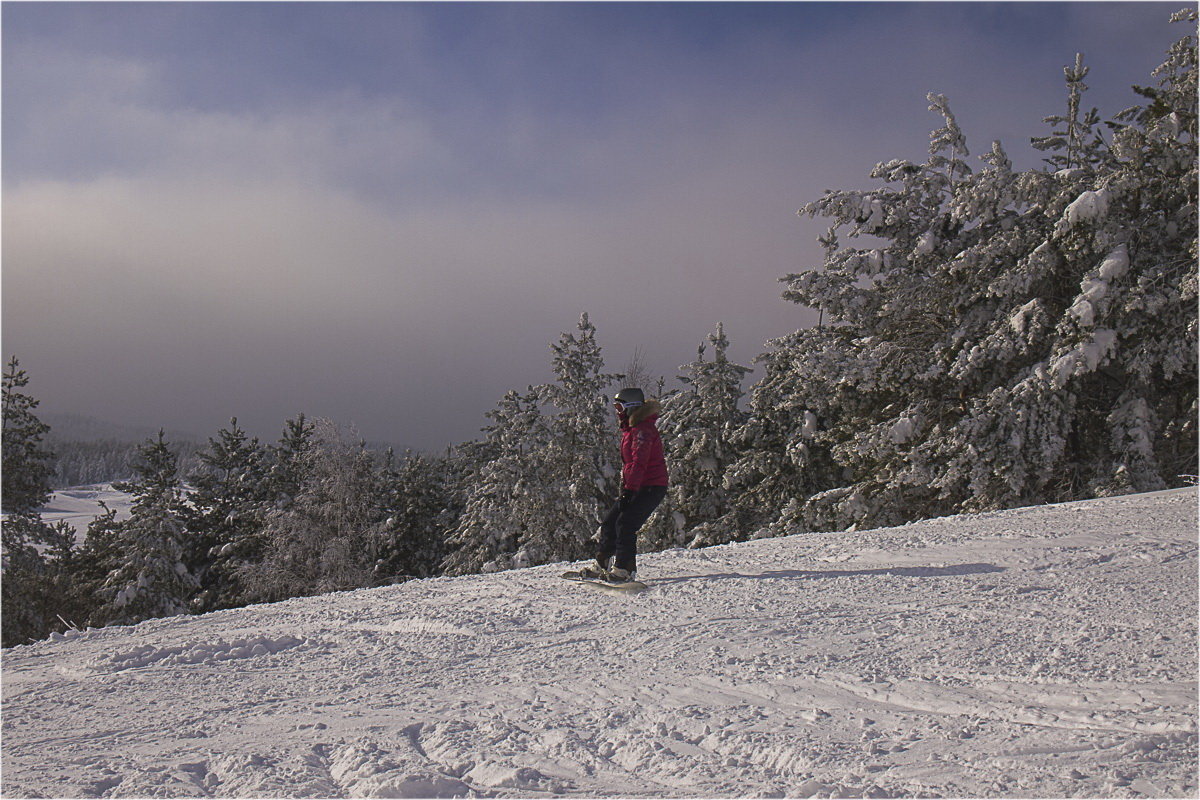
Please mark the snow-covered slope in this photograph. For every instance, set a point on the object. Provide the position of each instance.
(1039, 652)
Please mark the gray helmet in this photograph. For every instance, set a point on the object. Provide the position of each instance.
(630, 397)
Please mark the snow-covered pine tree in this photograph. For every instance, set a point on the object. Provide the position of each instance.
(698, 428)
(1007, 338)
(1079, 144)
(501, 486)
(580, 466)
(784, 451)
(28, 463)
(424, 502)
(542, 478)
(39, 585)
(327, 537)
(227, 517)
(1101, 310)
(26, 475)
(37, 557)
(928, 295)
(93, 562)
(822, 390)
(289, 460)
(150, 578)
(1153, 425)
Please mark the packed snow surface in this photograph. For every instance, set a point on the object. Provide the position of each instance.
(1039, 652)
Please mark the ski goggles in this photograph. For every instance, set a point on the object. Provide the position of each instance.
(626, 406)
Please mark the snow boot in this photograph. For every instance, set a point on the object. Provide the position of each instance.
(593, 573)
(618, 575)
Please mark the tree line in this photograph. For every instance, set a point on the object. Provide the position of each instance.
(990, 338)
(84, 463)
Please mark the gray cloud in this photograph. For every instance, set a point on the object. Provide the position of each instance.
(398, 264)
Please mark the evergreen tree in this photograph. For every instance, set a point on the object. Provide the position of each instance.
(1007, 338)
(546, 477)
(36, 556)
(325, 537)
(229, 507)
(290, 459)
(698, 430)
(28, 463)
(1079, 144)
(580, 464)
(1152, 422)
(59, 596)
(784, 454)
(94, 561)
(150, 578)
(424, 502)
(38, 582)
(501, 487)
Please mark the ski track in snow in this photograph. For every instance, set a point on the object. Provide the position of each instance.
(1039, 652)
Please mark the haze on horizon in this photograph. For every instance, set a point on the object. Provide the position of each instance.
(385, 213)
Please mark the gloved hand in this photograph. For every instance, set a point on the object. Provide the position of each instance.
(627, 496)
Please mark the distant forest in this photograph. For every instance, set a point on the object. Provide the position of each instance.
(85, 450)
(81, 463)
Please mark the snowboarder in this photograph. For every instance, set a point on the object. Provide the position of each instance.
(643, 482)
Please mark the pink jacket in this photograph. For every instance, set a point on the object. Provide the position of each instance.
(642, 460)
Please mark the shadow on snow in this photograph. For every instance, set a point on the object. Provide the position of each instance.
(805, 574)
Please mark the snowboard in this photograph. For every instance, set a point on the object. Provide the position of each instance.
(626, 587)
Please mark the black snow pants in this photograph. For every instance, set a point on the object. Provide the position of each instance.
(618, 532)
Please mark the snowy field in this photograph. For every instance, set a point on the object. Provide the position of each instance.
(79, 505)
(1040, 652)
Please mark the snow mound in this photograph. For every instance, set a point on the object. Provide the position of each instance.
(196, 653)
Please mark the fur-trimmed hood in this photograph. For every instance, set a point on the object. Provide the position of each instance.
(648, 409)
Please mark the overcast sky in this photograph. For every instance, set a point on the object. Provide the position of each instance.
(384, 213)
